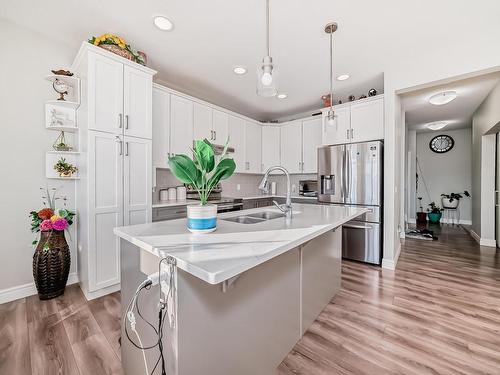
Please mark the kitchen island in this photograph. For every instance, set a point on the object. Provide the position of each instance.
(242, 296)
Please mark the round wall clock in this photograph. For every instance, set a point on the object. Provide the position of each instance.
(441, 144)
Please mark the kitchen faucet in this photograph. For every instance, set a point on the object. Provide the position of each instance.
(264, 186)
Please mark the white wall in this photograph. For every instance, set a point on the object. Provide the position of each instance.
(411, 165)
(485, 120)
(26, 59)
(446, 173)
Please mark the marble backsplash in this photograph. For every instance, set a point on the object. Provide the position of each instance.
(238, 185)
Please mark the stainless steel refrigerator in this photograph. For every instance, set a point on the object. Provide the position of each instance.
(352, 174)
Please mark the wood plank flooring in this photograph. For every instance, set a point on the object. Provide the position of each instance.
(438, 313)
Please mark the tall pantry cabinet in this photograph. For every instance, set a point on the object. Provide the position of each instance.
(115, 166)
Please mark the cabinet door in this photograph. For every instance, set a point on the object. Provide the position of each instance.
(137, 181)
(338, 132)
(202, 120)
(270, 147)
(311, 140)
(291, 146)
(220, 125)
(105, 94)
(237, 141)
(137, 102)
(253, 147)
(367, 120)
(161, 128)
(181, 125)
(105, 192)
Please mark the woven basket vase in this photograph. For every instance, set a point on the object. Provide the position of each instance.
(51, 267)
(118, 51)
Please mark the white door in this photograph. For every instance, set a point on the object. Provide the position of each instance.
(236, 128)
(311, 140)
(291, 146)
(253, 147)
(161, 128)
(181, 125)
(137, 102)
(137, 181)
(105, 184)
(220, 126)
(270, 146)
(339, 131)
(497, 191)
(202, 122)
(367, 120)
(105, 94)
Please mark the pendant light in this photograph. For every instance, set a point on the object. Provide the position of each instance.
(330, 29)
(266, 74)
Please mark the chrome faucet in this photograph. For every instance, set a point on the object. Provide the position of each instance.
(264, 186)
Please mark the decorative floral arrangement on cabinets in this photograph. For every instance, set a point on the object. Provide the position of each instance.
(117, 45)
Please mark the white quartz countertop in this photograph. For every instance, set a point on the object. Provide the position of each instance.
(235, 248)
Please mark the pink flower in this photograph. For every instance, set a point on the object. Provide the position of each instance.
(46, 225)
(60, 224)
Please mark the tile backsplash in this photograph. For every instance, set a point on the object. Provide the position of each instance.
(248, 183)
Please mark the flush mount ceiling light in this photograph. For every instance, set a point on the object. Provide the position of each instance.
(330, 29)
(239, 70)
(163, 23)
(443, 97)
(266, 73)
(436, 125)
(282, 96)
(343, 77)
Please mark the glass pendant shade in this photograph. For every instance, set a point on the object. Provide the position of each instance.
(266, 78)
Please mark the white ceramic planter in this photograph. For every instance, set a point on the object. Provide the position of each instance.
(202, 219)
(447, 204)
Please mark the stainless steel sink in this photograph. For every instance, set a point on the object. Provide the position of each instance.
(255, 218)
(267, 215)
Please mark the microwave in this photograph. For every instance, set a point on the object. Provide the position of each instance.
(308, 188)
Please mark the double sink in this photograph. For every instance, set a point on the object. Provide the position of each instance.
(257, 217)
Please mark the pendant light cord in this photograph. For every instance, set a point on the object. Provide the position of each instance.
(267, 29)
(331, 73)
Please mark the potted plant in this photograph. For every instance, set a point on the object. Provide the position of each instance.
(51, 260)
(64, 168)
(452, 200)
(434, 213)
(203, 172)
(421, 215)
(117, 45)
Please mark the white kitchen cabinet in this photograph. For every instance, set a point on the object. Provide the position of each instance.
(253, 147)
(161, 127)
(367, 120)
(105, 106)
(339, 131)
(202, 122)
(137, 181)
(137, 102)
(270, 147)
(220, 126)
(181, 125)
(236, 126)
(311, 140)
(291, 146)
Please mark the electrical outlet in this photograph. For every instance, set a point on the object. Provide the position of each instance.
(238, 187)
(294, 188)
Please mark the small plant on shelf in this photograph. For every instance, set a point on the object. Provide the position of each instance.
(64, 168)
(452, 200)
(60, 143)
(434, 212)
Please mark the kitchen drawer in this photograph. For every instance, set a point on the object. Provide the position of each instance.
(169, 213)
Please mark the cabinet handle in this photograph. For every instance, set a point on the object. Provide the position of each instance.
(352, 133)
(347, 133)
(126, 148)
(126, 121)
(121, 145)
(215, 135)
(120, 121)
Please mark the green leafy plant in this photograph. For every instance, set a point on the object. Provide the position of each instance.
(452, 196)
(434, 209)
(205, 170)
(63, 167)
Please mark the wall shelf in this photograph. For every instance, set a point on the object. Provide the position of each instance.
(52, 157)
(73, 83)
(69, 129)
(63, 103)
(64, 152)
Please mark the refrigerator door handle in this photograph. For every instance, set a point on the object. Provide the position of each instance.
(342, 174)
(348, 172)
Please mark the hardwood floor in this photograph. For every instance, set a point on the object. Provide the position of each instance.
(438, 313)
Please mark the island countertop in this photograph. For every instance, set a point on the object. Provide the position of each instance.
(235, 248)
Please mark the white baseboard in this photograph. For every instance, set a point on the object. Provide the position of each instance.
(475, 236)
(26, 290)
(101, 292)
(483, 241)
(446, 221)
(390, 264)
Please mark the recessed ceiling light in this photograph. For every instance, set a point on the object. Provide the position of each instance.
(282, 96)
(240, 70)
(163, 23)
(443, 97)
(343, 77)
(436, 125)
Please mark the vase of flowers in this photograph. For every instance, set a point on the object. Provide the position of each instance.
(203, 172)
(118, 46)
(51, 260)
(64, 168)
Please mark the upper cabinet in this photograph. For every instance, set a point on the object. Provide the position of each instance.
(202, 121)
(359, 121)
(161, 127)
(137, 103)
(270, 146)
(181, 125)
(311, 140)
(253, 147)
(220, 126)
(236, 129)
(291, 146)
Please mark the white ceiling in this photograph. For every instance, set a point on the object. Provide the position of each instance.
(458, 113)
(211, 36)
